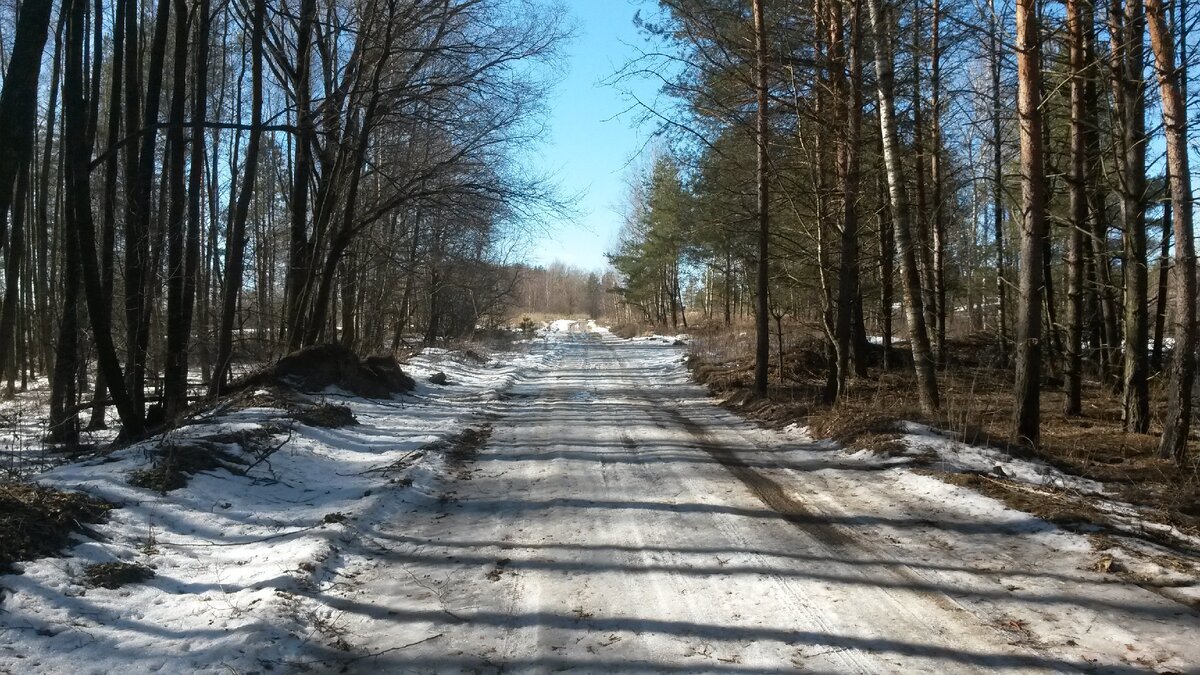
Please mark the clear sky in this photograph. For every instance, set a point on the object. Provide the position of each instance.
(591, 143)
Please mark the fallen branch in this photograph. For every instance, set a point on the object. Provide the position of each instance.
(394, 649)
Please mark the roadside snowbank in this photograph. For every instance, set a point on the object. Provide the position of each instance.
(236, 557)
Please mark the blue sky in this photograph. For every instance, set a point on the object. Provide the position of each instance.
(590, 143)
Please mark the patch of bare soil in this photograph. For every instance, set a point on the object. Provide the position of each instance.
(116, 574)
(462, 448)
(36, 521)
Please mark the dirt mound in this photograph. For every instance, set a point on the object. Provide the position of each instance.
(321, 366)
(37, 521)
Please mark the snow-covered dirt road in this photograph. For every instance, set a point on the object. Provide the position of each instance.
(618, 521)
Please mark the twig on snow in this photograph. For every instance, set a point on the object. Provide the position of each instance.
(394, 649)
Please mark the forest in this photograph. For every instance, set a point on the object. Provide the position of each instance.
(185, 185)
(888, 365)
(930, 178)
(188, 187)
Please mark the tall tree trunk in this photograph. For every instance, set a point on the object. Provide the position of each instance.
(920, 214)
(13, 266)
(299, 266)
(1077, 222)
(762, 351)
(139, 265)
(1183, 357)
(235, 248)
(850, 114)
(80, 237)
(914, 309)
(1097, 241)
(938, 220)
(1128, 28)
(998, 179)
(109, 199)
(178, 316)
(18, 127)
(192, 252)
(64, 425)
(1027, 414)
(18, 100)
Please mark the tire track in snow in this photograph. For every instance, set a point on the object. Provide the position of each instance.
(830, 539)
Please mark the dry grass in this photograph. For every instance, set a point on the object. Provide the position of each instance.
(977, 408)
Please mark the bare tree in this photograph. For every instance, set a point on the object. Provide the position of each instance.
(762, 351)
(1183, 358)
(1027, 413)
(910, 274)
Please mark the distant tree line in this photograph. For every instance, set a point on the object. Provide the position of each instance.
(564, 291)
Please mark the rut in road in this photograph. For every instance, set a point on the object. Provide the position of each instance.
(618, 521)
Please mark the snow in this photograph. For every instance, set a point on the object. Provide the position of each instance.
(234, 555)
(617, 520)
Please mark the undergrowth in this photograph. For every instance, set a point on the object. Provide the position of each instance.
(977, 404)
(37, 521)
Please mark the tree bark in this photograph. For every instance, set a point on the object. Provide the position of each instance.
(850, 102)
(1183, 357)
(938, 220)
(1128, 55)
(762, 352)
(998, 180)
(1077, 222)
(236, 241)
(299, 266)
(178, 316)
(1027, 413)
(109, 200)
(914, 309)
(18, 101)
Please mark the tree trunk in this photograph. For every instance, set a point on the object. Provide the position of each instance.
(139, 266)
(920, 212)
(236, 244)
(914, 309)
(1097, 240)
(850, 119)
(1026, 418)
(109, 213)
(178, 316)
(887, 258)
(298, 250)
(938, 221)
(1077, 221)
(1183, 357)
(192, 252)
(18, 101)
(1128, 28)
(1161, 296)
(762, 352)
(12, 283)
(998, 181)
